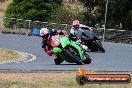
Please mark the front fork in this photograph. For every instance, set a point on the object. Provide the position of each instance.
(83, 50)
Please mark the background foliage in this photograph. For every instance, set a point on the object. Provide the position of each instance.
(119, 13)
(32, 9)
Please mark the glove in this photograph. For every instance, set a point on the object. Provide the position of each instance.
(49, 52)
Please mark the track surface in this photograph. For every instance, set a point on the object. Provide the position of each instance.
(118, 57)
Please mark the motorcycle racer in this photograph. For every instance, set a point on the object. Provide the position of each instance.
(86, 35)
(76, 32)
(47, 34)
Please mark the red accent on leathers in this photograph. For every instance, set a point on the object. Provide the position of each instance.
(48, 49)
(48, 40)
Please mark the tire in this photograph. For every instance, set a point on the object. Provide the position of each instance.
(58, 60)
(93, 49)
(100, 48)
(91, 46)
(68, 54)
(95, 45)
(87, 60)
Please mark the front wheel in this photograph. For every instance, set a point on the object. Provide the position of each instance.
(99, 46)
(87, 60)
(71, 54)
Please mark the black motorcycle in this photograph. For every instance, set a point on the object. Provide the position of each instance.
(89, 39)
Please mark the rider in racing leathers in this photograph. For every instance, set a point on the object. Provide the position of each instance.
(46, 42)
(76, 32)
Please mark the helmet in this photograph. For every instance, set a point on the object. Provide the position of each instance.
(44, 32)
(76, 24)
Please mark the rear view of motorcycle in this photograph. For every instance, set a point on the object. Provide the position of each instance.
(91, 40)
(88, 39)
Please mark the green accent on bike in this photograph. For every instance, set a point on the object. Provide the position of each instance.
(56, 50)
(75, 45)
(64, 41)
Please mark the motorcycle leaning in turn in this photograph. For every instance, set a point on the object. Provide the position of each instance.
(69, 51)
(88, 38)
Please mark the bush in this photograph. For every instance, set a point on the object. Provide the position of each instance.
(31, 9)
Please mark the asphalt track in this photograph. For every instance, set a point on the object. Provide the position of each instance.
(118, 57)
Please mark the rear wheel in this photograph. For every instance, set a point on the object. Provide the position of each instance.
(95, 45)
(73, 55)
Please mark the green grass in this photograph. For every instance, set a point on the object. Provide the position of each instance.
(48, 80)
(58, 84)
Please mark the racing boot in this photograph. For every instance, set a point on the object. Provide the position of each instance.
(58, 60)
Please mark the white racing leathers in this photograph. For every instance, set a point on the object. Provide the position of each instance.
(78, 33)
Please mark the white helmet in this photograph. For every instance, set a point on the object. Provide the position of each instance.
(44, 31)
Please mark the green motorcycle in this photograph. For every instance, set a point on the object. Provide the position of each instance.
(69, 51)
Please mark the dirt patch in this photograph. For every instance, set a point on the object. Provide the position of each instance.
(8, 55)
(35, 77)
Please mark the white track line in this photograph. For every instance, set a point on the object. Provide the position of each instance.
(25, 57)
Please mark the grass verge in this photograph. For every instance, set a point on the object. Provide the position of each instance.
(7, 55)
(48, 80)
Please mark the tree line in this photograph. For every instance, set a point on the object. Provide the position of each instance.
(119, 13)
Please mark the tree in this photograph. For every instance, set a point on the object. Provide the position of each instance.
(35, 10)
(91, 15)
(32, 9)
(119, 12)
(66, 15)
